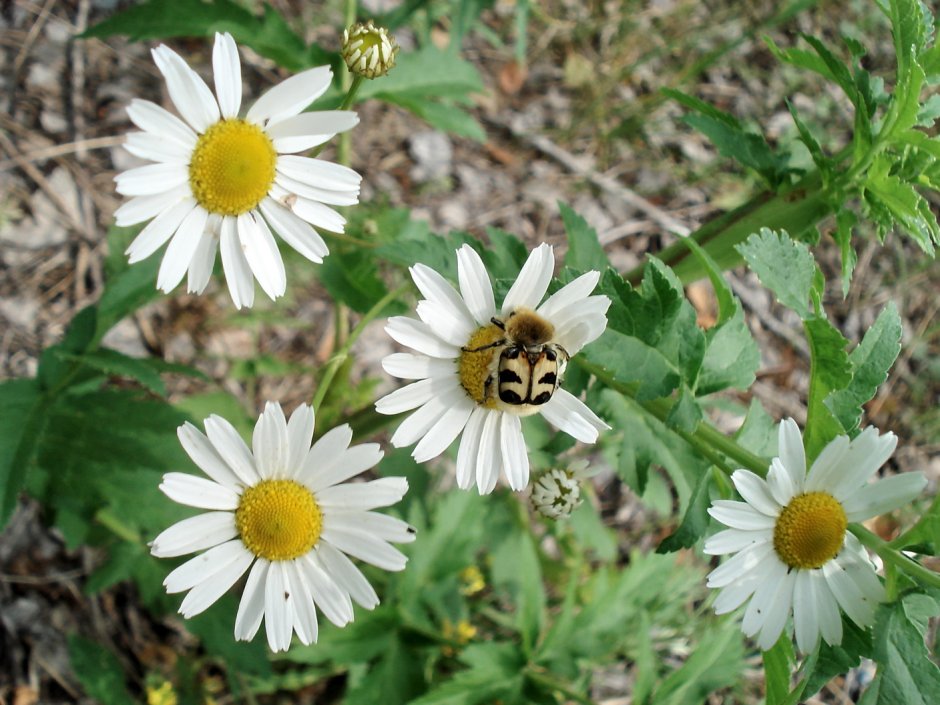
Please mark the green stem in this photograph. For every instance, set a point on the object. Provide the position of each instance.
(116, 526)
(706, 439)
(341, 355)
(894, 557)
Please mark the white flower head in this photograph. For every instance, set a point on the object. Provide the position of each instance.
(792, 550)
(557, 493)
(282, 509)
(221, 181)
(481, 368)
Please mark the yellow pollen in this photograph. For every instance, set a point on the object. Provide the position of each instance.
(474, 368)
(278, 520)
(232, 167)
(810, 530)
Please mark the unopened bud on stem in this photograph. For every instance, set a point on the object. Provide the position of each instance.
(369, 51)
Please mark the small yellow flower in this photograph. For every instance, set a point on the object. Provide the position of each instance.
(162, 694)
(471, 581)
(459, 634)
(368, 50)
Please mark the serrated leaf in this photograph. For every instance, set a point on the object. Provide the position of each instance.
(117, 364)
(731, 357)
(830, 371)
(905, 205)
(758, 433)
(746, 148)
(584, 249)
(694, 521)
(21, 421)
(351, 277)
(907, 674)
(631, 361)
(685, 414)
(834, 660)
(785, 267)
(99, 671)
(870, 360)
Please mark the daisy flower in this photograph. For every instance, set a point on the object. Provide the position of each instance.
(281, 509)
(482, 368)
(792, 550)
(220, 181)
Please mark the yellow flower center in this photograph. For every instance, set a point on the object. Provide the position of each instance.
(810, 530)
(278, 520)
(232, 167)
(475, 365)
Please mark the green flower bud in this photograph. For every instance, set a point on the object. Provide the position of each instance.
(368, 50)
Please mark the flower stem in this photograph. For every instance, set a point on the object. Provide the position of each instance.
(341, 355)
(894, 557)
(706, 439)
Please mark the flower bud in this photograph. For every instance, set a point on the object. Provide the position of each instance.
(368, 50)
(556, 494)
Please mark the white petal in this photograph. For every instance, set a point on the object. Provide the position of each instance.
(278, 608)
(262, 254)
(305, 615)
(203, 259)
(759, 608)
(444, 431)
(734, 540)
(366, 548)
(828, 465)
(326, 594)
(532, 283)
(364, 495)
(227, 71)
(830, 621)
(204, 566)
(315, 193)
(269, 443)
(512, 447)
(447, 324)
(294, 231)
(740, 565)
(347, 576)
(198, 447)
(438, 290)
(328, 449)
(408, 397)
(151, 118)
(489, 460)
(884, 495)
(734, 595)
(300, 436)
(847, 577)
(867, 452)
(187, 90)
(157, 148)
(805, 612)
(312, 212)
(232, 449)
(411, 366)
(577, 335)
(198, 492)
(352, 462)
(470, 448)
(290, 96)
(420, 422)
(205, 594)
(194, 534)
(571, 415)
(781, 483)
(151, 179)
(251, 606)
(790, 450)
(159, 230)
(141, 208)
(319, 173)
(241, 284)
(417, 335)
(387, 528)
(181, 250)
(569, 294)
(740, 515)
(577, 322)
(778, 611)
(755, 492)
(307, 130)
(475, 287)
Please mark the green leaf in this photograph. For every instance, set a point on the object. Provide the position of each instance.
(746, 148)
(685, 414)
(902, 201)
(694, 522)
(823, 163)
(351, 277)
(731, 356)
(584, 249)
(117, 364)
(871, 360)
(99, 671)
(446, 117)
(632, 361)
(925, 534)
(834, 660)
(21, 422)
(778, 662)
(727, 307)
(703, 108)
(830, 371)
(495, 675)
(785, 267)
(716, 663)
(269, 34)
(516, 566)
(907, 673)
(397, 677)
(846, 220)
(758, 433)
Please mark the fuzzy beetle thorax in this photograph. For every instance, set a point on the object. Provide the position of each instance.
(527, 328)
